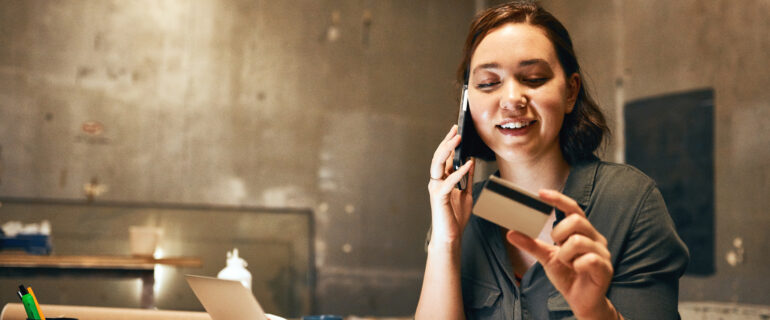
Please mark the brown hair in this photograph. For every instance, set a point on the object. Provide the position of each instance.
(584, 127)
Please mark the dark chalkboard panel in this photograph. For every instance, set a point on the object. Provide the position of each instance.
(671, 139)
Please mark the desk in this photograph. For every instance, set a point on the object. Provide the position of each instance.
(15, 311)
(120, 266)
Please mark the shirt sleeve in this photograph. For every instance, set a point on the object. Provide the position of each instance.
(646, 280)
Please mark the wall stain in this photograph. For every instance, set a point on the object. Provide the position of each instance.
(115, 73)
(63, 178)
(92, 133)
(99, 42)
(93, 189)
(84, 71)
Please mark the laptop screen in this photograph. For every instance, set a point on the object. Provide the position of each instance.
(225, 299)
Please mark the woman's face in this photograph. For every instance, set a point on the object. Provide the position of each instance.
(518, 92)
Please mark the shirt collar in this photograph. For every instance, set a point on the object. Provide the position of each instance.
(580, 182)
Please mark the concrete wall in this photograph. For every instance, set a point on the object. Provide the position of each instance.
(330, 105)
(305, 104)
(637, 49)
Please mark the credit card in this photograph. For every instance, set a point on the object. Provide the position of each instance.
(511, 207)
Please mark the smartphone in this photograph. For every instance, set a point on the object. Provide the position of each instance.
(464, 127)
(506, 205)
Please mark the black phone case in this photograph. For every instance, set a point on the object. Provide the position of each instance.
(464, 127)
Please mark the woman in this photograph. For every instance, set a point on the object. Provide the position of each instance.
(612, 254)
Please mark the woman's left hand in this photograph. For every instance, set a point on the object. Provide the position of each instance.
(578, 265)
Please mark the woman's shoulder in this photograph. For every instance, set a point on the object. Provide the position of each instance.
(622, 175)
(616, 184)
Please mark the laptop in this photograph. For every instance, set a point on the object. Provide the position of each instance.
(225, 299)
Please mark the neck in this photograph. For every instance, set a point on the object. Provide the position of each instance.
(549, 171)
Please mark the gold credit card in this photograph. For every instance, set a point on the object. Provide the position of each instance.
(504, 204)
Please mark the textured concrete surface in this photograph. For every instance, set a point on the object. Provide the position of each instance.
(336, 106)
(330, 105)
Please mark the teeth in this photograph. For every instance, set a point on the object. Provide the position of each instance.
(515, 125)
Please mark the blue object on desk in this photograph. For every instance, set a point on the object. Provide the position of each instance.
(31, 243)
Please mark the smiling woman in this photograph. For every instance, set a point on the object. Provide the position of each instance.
(519, 94)
(583, 129)
(609, 250)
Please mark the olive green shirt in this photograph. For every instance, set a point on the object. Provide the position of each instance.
(625, 206)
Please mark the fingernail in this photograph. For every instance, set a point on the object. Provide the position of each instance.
(513, 234)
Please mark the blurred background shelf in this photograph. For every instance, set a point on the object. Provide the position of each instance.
(19, 260)
(91, 265)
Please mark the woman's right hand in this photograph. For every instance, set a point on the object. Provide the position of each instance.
(450, 207)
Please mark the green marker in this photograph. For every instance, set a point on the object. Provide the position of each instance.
(29, 303)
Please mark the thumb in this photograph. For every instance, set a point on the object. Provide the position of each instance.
(538, 249)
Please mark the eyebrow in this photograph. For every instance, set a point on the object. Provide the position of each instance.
(524, 63)
(532, 62)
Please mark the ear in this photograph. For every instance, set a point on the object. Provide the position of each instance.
(573, 88)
